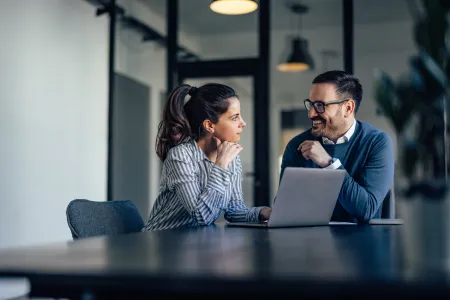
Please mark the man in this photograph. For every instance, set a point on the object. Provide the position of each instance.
(338, 141)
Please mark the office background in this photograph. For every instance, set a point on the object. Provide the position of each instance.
(54, 94)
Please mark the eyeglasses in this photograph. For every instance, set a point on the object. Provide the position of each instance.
(319, 106)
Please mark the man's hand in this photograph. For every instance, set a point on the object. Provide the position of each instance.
(264, 214)
(314, 151)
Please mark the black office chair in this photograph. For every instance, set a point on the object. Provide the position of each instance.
(387, 211)
(388, 206)
(88, 218)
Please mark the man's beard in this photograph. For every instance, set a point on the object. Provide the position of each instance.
(319, 130)
(326, 129)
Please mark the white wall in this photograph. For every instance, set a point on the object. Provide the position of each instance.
(53, 116)
(385, 45)
(146, 62)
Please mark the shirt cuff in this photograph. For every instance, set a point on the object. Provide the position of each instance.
(335, 165)
(253, 216)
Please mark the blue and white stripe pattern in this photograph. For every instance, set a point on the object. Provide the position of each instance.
(194, 191)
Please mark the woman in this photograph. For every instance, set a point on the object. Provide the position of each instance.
(202, 171)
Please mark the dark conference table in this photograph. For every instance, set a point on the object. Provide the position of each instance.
(364, 261)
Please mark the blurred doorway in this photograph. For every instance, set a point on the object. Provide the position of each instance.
(130, 155)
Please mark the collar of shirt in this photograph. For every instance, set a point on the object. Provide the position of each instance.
(343, 139)
(199, 155)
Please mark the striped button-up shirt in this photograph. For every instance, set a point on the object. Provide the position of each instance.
(194, 191)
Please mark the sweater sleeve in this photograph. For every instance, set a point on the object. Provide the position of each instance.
(363, 200)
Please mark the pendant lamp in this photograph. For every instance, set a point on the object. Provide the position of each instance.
(233, 7)
(299, 59)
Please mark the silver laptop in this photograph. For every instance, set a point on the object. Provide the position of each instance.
(305, 197)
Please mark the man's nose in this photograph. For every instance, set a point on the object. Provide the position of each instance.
(312, 113)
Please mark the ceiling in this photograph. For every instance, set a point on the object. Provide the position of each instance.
(197, 18)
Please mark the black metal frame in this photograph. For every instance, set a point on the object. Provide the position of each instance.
(109, 7)
(347, 19)
(218, 68)
(257, 67)
(148, 34)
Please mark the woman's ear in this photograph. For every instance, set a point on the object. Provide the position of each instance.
(209, 126)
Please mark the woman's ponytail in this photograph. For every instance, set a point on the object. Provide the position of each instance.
(181, 122)
(174, 127)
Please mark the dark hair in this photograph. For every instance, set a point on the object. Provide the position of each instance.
(347, 85)
(181, 122)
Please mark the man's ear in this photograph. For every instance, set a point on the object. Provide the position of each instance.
(209, 126)
(349, 107)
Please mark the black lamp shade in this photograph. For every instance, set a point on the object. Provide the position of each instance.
(299, 58)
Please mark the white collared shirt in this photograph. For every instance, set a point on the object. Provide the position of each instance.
(343, 139)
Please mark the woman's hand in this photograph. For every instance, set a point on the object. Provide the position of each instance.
(264, 214)
(226, 152)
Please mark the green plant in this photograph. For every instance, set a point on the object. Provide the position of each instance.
(417, 103)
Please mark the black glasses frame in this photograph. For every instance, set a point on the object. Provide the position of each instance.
(319, 106)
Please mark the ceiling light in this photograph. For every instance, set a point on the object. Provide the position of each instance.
(233, 7)
(299, 59)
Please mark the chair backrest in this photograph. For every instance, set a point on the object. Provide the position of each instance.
(88, 218)
(388, 206)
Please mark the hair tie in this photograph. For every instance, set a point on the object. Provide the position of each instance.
(192, 90)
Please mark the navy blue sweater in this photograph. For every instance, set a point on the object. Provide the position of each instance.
(369, 161)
